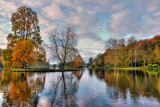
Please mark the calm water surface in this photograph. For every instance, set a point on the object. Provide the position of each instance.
(84, 88)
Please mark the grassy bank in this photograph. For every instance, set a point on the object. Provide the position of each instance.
(130, 68)
(41, 70)
(126, 68)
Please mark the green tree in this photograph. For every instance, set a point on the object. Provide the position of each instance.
(7, 58)
(90, 61)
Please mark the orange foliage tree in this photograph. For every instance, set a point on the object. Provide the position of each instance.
(23, 53)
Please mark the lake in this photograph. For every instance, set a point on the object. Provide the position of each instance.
(83, 88)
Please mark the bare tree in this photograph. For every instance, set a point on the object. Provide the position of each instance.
(63, 44)
(112, 43)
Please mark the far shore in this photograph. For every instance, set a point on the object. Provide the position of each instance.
(130, 68)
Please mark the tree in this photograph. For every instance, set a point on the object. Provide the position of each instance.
(109, 57)
(145, 49)
(63, 44)
(113, 45)
(7, 58)
(25, 27)
(157, 54)
(99, 60)
(132, 43)
(23, 53)
(78, 61)
(90, 61)
(1, 65)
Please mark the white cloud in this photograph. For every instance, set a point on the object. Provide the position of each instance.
(6, 8)
(53, 11)
(43, 21)
(35, 3)
(3, 42)
(2, 32)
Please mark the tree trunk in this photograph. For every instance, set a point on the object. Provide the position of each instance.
(144, 63)
(135, 58)
(65, 95)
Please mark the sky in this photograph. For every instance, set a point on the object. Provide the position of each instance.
(97, 20)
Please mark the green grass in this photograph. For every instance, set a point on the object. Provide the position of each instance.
(130, 68)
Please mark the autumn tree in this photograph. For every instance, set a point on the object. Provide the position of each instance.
(157, 55)
(145, 49)
(25, 27)
(23, 53)
(122, 56)
(63, 44)
(113, 45)
(78, 61)
(7, 58)
(98, 61)
(109, 57)
(132, 44)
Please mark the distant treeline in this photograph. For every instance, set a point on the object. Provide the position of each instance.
(77, 62)
(134, 53)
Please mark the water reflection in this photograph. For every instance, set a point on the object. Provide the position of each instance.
(22, 89)
(137, 83)
(19, 88)
(80, 88)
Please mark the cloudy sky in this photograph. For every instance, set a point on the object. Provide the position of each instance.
(98, 20)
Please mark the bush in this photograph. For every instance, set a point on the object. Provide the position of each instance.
(155, 65)
(107, 67)
(94, 64)
(150, 67)
(89, 66)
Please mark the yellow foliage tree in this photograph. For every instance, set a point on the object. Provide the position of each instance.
(7, 58)
(23, 53)
(157, 54)
(78, 61)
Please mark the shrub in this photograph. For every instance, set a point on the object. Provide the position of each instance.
(107, 67)
(150, 67)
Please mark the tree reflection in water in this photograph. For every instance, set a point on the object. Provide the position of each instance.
(65, 89)
(136, 83)
(97, 86)
(22, 89)
(19, 88)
